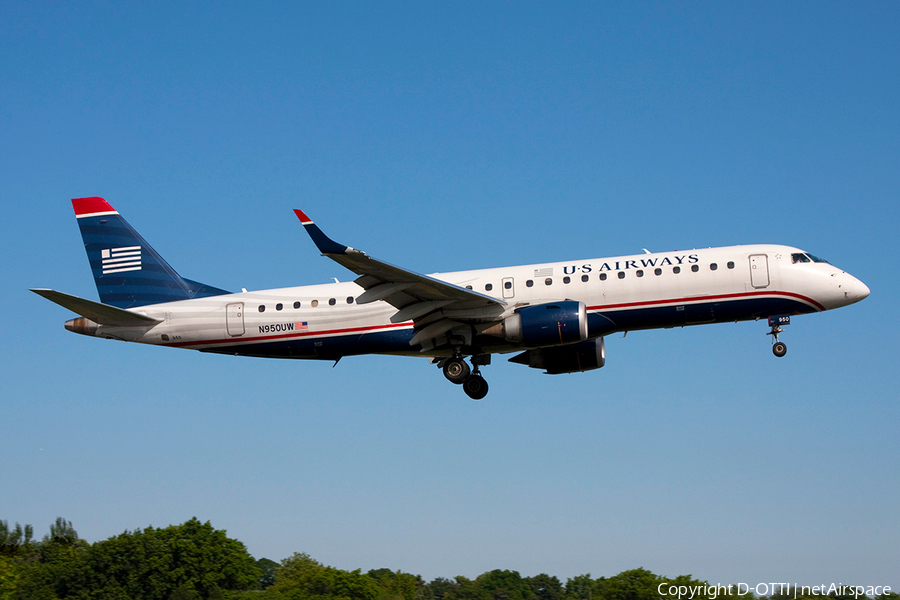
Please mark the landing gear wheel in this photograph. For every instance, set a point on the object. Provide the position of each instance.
(779, 349)
(475, 387)
(456, 370)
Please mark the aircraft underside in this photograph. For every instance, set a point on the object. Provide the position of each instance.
(396, 342)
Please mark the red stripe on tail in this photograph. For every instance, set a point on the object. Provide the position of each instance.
(87, 206)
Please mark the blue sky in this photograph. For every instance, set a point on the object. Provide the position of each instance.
(449, 136)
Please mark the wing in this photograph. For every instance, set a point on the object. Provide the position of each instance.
(440, 310)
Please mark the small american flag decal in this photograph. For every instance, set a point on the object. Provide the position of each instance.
(118, 260)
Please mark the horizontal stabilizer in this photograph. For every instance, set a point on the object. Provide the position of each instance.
(103, 314)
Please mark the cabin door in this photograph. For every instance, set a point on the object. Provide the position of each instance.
(759, 270)
(234, 319)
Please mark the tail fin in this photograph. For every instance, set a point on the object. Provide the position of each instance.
(127, 270)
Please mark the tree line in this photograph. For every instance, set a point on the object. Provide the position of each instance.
(194, 561)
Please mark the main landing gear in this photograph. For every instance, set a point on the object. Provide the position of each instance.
(457, 371)
(779, 349)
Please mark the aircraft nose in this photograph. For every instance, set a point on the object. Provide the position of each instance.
(862, 290)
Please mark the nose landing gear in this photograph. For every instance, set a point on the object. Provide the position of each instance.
(779, 349)
(457, 371)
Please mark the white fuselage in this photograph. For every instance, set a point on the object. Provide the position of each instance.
(645, 291)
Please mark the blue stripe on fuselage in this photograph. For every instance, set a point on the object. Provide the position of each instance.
(600, 323)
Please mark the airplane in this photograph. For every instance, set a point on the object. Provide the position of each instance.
(554, 315)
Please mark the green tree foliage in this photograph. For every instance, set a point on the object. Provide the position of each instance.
(437, 589)
(16, 540)
(302, 578)
(268, 570)
(154, 563)
(191, 561)
(396, 585)
(466, 589)
(545, 587)
(504, 585)
(636, 584)
(62, 533)
(580, 587)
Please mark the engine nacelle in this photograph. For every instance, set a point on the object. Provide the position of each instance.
(550, 324)
(574, 358)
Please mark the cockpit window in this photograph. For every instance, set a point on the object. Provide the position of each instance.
(800, 257)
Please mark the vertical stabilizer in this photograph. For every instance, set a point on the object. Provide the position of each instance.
(127, 270)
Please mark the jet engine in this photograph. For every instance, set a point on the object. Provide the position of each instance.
(549, 324)
(574, 358)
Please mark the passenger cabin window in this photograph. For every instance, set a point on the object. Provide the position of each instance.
(713, 266)
(567, 279)
(657, 271)
(279, 306)
(639, 273)
(695, 268)
(602, 276)
(621, 274)
(585, 278)
(349, 299)
(296, 304)
(507, 285)
(314, 303)
(676, 270)
(548, 281)
(332, 302)
(730, 264)
(488, 287)
(262, 308)
(529, 283)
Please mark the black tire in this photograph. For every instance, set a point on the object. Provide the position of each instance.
(779, 349)
(456, 370)
(476, 387)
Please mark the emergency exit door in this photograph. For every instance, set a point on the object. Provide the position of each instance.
(234, 319)
(759, 270)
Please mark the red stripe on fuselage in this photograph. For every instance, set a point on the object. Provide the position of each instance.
(89, 206)
(599, 308)
(696, 299)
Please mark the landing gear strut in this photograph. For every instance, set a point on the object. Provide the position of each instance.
(779, 349)
(457, 371)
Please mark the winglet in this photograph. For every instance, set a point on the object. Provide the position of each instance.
(325, 244)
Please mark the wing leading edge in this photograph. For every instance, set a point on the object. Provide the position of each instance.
(438, 309)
